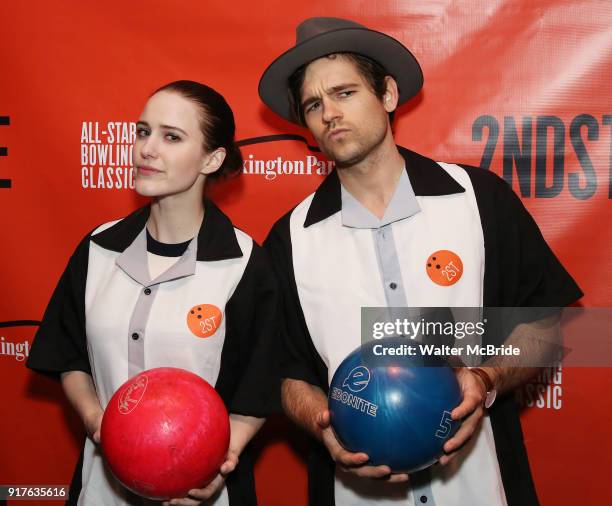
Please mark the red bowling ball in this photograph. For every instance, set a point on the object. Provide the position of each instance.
(164, 432)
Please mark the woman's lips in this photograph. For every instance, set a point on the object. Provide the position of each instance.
(146, 171)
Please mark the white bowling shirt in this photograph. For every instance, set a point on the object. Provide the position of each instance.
(212, 312)
(333, 258)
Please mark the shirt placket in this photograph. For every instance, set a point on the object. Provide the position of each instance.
(389, 265)
(134, 262)
(137, 329)
(395, 295)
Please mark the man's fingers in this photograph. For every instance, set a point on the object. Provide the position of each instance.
(445, 459)
(339, 454)
(323, 419)
(467, 429)
(374, 472)
(468, 405)
(348, 459)
(398, 478)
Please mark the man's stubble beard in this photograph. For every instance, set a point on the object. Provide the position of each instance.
(360, 154)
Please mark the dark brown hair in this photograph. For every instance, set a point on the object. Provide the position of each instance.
(216, 123)
(372, 71)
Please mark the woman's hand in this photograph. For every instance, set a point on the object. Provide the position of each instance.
(81, 393)
(93, 422)
(197, 495)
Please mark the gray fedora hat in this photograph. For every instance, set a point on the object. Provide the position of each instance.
(318, 37)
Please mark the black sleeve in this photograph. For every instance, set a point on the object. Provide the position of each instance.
(300, 359)
(544, 286)
(61, 344)
(248, 379)
(543, 282)
(520, 268)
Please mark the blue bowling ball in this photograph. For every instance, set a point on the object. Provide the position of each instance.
(394, 408)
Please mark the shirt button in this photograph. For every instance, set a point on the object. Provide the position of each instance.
(393, 286)
(423, 499)
(135, 336)
(147, 291)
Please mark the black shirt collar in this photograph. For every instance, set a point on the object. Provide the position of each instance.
(427, 178)
(216, 238)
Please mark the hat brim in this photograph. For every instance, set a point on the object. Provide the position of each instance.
(390, 53)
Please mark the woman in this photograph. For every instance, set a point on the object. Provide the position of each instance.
(172, 284)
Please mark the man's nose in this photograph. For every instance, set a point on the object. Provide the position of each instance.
(331, 110)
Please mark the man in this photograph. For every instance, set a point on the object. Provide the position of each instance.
(373, 235)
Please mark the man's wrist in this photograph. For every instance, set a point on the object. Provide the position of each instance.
(489, 384)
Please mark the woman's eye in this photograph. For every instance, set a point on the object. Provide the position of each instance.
(173, 138)
(142, 132)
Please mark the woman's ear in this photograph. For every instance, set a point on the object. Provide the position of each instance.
(213, 161)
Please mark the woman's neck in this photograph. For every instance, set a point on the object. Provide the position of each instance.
(174, 220)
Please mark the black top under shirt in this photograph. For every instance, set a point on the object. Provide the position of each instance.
(164, 249)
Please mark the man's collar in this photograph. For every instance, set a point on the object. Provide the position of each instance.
(427, 178)
(216, 238)
(403, 204)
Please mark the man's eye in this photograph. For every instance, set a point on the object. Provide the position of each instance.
(313, 107)
(345, 94)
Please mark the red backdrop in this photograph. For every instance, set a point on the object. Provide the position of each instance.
(518, 86)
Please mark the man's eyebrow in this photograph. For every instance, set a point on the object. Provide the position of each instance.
(340, 87)
(328, 91)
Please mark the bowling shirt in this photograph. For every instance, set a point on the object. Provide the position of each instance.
(213, 311)
(333, 257)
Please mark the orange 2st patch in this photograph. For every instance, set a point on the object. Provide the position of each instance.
(204, 319)
(444, 267)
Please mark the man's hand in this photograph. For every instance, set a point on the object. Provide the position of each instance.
(198, 495)
(470, 411)
(353, 462)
